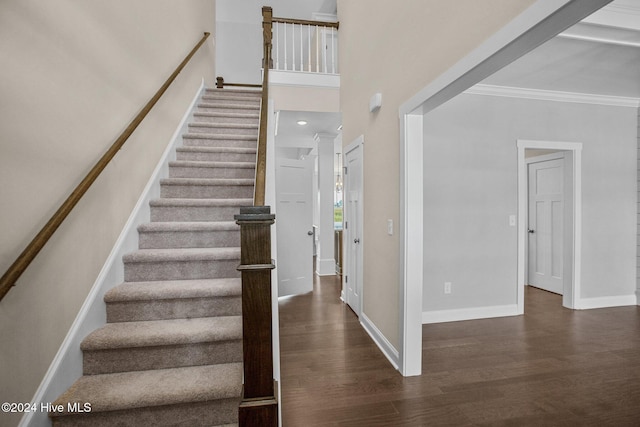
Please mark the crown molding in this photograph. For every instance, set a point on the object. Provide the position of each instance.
(602, 34)
(552, 95)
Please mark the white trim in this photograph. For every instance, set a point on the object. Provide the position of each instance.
(552, 95)
(411, 243)
(303, 79)
(66, 366)
(537, 24)
(326, 267)
(572, 290)
(523, 34)
(378, 337)
(358, 142)
(604, 302)
(471, 313)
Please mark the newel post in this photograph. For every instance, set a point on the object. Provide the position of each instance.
(267, 36)
(259, 406)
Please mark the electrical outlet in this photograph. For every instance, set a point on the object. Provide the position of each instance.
(447, 287)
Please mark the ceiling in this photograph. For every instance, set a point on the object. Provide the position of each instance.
(599, 56)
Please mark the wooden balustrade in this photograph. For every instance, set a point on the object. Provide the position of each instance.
(305, 46)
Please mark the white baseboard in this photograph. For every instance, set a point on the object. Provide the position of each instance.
(383, 344)
(326, 267)
(603, 302)
(472, 313)
(66, 366)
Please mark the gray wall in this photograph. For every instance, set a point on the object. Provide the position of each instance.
(470, 189)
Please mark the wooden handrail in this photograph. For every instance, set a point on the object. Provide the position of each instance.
(306, 22)
(35, 246)
(261, 160)
(220, 84)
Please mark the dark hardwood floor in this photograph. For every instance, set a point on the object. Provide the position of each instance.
(550, 367)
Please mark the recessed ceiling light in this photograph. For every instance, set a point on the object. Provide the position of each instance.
(302, 122)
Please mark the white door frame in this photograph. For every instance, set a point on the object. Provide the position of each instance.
(572, 237)
(540, 22)
(357, 143)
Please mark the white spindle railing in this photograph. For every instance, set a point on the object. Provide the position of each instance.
(305, 46)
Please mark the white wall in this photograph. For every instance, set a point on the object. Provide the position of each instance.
(470, 189)
(73, 75)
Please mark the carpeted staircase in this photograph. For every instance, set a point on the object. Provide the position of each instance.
(171, 351)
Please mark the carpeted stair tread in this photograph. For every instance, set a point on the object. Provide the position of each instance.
(200, 202)
(204, 164)
(224, 128)
(153, 333)
(192, 234)
(199, 149)
(206, 181)
(181, 255)
(220, 136)
(170, 350)
(139, 389)
(230, 106)
(228, 98)
(245, 126)
(157, 227)
(239, 116)
(236, 92)
(174, 289)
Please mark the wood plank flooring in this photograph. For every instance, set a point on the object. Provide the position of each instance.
(550, 367)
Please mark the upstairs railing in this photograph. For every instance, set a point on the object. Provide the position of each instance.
(23, 261)
(305, 46)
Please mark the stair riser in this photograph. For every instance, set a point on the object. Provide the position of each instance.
(180, 270)
(225, 108)
(201, 156)
(224, 130)
(133, 311)
(220, 119)
(213, 172)
(206, 191)
(197, 414)
(219, 142)
(193, 213)
(189, 239)
(161, 357)
(236, 100)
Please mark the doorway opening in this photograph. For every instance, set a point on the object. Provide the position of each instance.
(568, 221)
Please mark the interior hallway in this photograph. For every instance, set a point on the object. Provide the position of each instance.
(550, 367)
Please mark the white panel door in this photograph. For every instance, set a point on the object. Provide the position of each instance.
(546, 205)
(353, 228)
(295, 229)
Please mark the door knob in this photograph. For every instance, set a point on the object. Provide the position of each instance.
(356, 240)
(310, 233)
(531, 231)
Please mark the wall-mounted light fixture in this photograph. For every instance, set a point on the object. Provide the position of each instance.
(302, 122)
(375, 102)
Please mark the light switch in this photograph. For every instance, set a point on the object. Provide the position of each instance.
(512, 220)
(390, 227)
